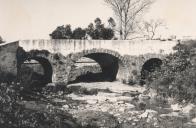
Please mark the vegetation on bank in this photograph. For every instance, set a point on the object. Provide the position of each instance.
(14, 113)
(176, 77)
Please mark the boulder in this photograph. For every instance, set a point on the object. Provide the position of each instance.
(96, 119)
(194, 120)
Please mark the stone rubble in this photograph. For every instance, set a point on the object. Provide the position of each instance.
(129, 107)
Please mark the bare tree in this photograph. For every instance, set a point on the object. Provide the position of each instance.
(128, 12)
(150, 27)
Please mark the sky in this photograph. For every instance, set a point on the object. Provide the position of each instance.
(36, 19)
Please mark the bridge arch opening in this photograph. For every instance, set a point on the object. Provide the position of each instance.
(110, 67)
(35, 72)
(149, 67)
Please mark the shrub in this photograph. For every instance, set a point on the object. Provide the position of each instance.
(14, 114)
(176, 78)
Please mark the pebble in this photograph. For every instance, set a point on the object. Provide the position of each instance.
(65, 106)
(104, 109)
(122, 109)
(91, 101)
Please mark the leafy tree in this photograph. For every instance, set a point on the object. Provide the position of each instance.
(79, 33)
(98, 23)
(112, 23)
(90, 30)
(62, 32)
(94, 31)
(107, 33)
(100, 31)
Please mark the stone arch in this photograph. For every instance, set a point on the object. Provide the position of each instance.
(111, 62)
(150, 66)
(40, 56)
(142, 59)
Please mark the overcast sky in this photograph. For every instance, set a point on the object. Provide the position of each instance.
(35, 19)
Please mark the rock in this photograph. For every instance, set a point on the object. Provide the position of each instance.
(194, 120)
(104, 109)
(190, 125)
(96, 119)
(120, 102)
(54, 87)
(174, 118)
(121, 109)
(127, 125)
(32, 105)
(129, 105)
(144, 97)
(82, 90)
(192, 112)
(65, 107)
(131, 93)
(142, 105)
(51, 84)
(172, 114)
(66, 121)
(91, 101)
(113, 100)
(176, 107)
(148, 114)
(188, 108)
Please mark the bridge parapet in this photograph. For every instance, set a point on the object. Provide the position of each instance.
(125, 47)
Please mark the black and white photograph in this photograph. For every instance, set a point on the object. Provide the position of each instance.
(97, 64)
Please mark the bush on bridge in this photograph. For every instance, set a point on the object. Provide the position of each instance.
(176, 78)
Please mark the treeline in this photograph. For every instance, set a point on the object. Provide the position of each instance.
(96, 31)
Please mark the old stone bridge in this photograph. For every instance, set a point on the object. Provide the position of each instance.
(119, 60)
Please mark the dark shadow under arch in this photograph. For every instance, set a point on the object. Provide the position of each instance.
(109, 62)
(35, 79)
(148, 67)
